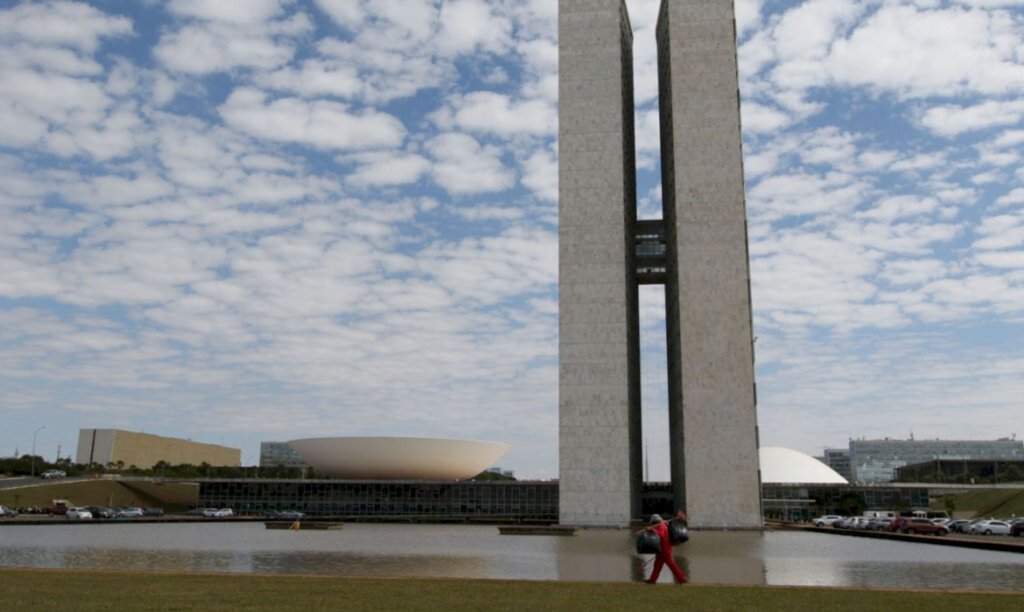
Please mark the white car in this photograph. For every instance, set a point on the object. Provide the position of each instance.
(48, 474)
(991, 527)
(828, 519)
(5, 511)
(79, 514)
(218, 512)
(859, 522)
(130, 513)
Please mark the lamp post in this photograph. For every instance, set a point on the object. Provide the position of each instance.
(34, 449)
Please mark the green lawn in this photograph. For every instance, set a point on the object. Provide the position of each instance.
(985, 503)
(123, 591)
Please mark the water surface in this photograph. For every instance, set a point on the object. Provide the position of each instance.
(398, 550)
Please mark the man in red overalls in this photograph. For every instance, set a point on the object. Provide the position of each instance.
(660, 527)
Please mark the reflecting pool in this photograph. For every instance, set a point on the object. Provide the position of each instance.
(361, 549)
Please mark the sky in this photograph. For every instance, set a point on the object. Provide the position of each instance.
(240, 222)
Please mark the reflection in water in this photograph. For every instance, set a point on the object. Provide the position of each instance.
(474, 551)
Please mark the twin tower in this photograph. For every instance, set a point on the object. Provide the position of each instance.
(698, 251)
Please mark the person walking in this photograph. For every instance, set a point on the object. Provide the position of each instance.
(664, 557)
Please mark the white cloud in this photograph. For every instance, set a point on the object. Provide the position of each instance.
(1016, 196)
(467, 26)
(249, 12)
(379, 169)
(941, 52)
(463, 167)
(489, 112)
(540, 175)
(315, 78)
(201, 49)
(953, 120)
(61, 23)
(322, 124)
(758, 118)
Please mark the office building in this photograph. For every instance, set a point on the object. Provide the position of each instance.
(877, 460)
(698, 252)
(128, 448)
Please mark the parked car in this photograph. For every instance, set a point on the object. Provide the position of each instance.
(60, 507)
(969, 526)
(863, 522)
(288, 515)
(880, 523)
(922, 525)
(48, 474)
(78, 514)
(198, 511)
(129, 513)
(956, 525)
(5, 511)
(218, 512)
(991, 527)
(153, 512)
(1017, 528)
(828, 519)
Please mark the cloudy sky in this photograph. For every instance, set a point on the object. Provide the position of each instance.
(272, 219)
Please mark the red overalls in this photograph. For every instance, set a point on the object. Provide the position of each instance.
(665, 556)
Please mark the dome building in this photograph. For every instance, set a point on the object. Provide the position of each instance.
(787, 466)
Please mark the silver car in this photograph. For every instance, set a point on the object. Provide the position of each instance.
(79, 514)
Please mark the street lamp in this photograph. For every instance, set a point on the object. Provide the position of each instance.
(34, 449)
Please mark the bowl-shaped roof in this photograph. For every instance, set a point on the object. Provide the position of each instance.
(787, 466)
(380, 458)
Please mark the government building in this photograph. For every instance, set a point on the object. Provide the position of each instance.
(128, 448)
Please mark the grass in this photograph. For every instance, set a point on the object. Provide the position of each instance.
(37, 590)
(985, 503)
(103, 492)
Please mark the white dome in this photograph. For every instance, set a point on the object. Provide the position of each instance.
(787, 466)
(398, 458)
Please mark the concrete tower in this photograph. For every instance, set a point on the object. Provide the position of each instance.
(698, 252)
(599, 335)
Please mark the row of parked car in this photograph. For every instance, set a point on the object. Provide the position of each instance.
(915, 525)
(1012, 526)
(80, 513)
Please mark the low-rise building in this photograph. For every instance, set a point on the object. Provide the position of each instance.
(128, 448)
(874, 461)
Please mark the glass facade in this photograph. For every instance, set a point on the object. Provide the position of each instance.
(650, 252)
(279, 454)
(839, 460)
(393, 500)
(877, 460)
(511, 501)
(800, 503)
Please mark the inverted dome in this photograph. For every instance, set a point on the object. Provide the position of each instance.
(383, 458)
(787, 466)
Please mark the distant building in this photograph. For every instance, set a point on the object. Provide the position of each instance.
(839, 460)
(873, 461)
(128, 448)
(963, 471)
(279, 454)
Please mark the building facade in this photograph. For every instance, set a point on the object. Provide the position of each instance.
(128, 448)
(491, 501)
(839, 460)
(877, 460)
(279, 454)
(963, 471)
(698, 251)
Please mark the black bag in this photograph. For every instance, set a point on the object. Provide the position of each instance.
(677, 532)
(648, 543)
